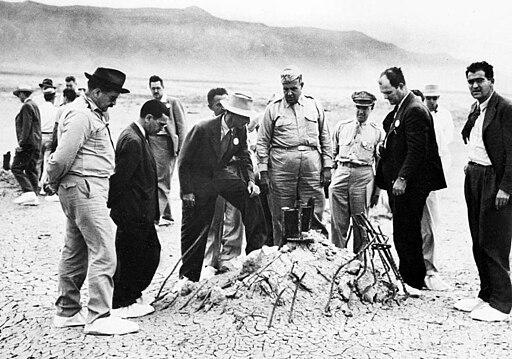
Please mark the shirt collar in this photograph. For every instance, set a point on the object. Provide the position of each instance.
(164, 98)
(140, 128)
(300, 101)
(483, 105)
(224, 126)
(401, 102)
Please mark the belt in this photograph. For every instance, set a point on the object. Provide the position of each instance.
(471, 163)
(353, 165)
(298, 148)
(46, 133)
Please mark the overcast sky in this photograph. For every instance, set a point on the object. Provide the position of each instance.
(469, 30)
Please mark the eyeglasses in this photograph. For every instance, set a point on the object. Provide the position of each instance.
(431, 97)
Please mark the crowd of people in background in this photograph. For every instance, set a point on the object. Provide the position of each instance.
(239, 169)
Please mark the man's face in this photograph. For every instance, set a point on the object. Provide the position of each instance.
(237, 121)
(22, 96)
(393, 94)
(479, 85)
(362, 113)
(216, 106)
(104, 100)
(71, 85)
(153, 125)
(431, 102)
(292, 91)
(157, 90)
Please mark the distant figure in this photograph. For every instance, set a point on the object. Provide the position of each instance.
(355, 144)
(409, 169)
(205, 174)
(226, 232)
(80, 169)
(71, 83)
(28, 134)
(166, 146)
(487, 188)
(134, 179)
(294, 150)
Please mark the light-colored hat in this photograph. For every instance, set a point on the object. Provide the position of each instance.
(239, 104)
(49, 90)
(431, 90)
(22, 88)
(290, 74)
(363, 98)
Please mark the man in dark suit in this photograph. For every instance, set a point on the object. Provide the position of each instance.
(409, 169)
(133, 199)
(487, 189)
(205, 172)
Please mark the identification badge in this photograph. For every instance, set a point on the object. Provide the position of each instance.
(397, 123)
(235, 141)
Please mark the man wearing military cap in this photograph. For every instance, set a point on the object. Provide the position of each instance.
(79, 170)
(294, 150)
(355, 144)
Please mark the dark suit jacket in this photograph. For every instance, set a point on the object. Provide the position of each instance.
(411, 149)
(497, 137)
(133, 195)
(28, 126)
(200, 157)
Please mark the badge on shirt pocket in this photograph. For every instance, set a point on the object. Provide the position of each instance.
(236, 141)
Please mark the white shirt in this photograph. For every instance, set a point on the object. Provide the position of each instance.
(48, 113)
(164, 100)
(443, 126)
(477, 152)
(223, 127)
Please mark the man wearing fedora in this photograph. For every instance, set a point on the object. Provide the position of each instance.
(443, 126)
(205, 173)
(294, 150)
(80, 169)
(28, 133)
(355, 144)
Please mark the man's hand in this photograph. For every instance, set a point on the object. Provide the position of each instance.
(501, 199)
(189, 200)
(399, 186)
(253, 189)
(264, 182)
(49, 188)
(18, 149)
(325, 177)
(374, 199)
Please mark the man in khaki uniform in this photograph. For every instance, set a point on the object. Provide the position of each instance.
(294, 150)
(355, 142)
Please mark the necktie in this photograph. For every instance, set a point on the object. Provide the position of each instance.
(224, 143)
(470, 123)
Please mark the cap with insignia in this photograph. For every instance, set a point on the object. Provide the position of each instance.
(363, 98)
(290, 74)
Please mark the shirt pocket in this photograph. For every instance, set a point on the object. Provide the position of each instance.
(366, 149)
(312, 126)
(284, 126)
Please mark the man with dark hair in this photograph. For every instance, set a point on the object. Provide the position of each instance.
(487, 189)
(409, 169)
(71, 83)
(80, 169)
(166, 145)
(28, 133)
(133, 199)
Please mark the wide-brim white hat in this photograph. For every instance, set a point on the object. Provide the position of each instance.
(239, 104)
(431, 91)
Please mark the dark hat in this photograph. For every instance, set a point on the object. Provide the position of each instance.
(46, 83)
(363, 98)
(155, 108)
(111, 78)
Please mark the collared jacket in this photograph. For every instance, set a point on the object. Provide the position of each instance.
(28, 126)
(175, 128)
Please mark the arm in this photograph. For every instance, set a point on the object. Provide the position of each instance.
(325, 138)
(335, 144)
(186, 159)
(179, 118)
(264, 139)
(506, 122)
(245, 157)
(128, 157)
(415, 126)
(27, 119)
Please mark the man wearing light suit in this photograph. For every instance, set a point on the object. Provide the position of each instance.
(204, 172)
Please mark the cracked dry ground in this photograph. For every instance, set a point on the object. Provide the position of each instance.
(30, 243)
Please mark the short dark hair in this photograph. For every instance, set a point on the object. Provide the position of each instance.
(394, 75)
(155, 108)
(70, 78)
(219, 91)
(49, 96)
(419, 94)
(69, 94)
(482, 65)
(156, 78)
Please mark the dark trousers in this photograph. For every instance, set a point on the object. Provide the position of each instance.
(24, 169)
(407, 213)
(491, 231)
(138, 256)
(196, 220)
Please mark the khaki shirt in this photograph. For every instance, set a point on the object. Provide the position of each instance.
(285, 126)
(356, 147)
(85, 147)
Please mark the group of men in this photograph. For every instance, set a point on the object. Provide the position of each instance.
(291, 160)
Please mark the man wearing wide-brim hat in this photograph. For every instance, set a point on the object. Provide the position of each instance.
(28, 133)
(79, 171)
(204, 172)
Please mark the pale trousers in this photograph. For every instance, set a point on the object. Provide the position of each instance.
(226, 234)
(89, 247)
(294, 179)
(165, 163)
(348, 195)
(46, 146)
(429, 231)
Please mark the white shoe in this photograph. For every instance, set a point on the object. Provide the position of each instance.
(487, 313)
(76, 320)
(27, 199)
(146, 299)
(111, 326)
(412, 292)
(52, 198)
(208, 272)
(134, 310)
(468, 304)
(435, 282)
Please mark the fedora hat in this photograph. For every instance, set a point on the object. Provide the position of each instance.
(111, 78)
(238, 104)
(22, 88)
(46, 83)
(431, 91)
